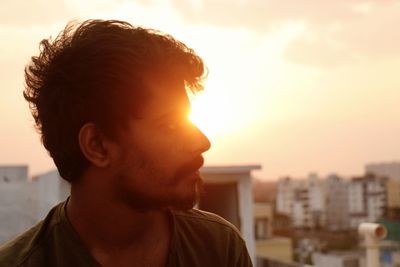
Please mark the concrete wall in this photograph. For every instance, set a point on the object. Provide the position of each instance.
(241, 176)
(51, 189)
(13, 173)
(17, 197)
(25, 202)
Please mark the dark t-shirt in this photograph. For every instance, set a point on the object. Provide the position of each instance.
(199, 238)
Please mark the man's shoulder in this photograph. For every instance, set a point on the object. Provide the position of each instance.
(201, 220)
(14, 252)
(205, 217)
(18, 250)
(203, 238)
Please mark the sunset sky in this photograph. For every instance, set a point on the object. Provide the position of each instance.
(296, 86)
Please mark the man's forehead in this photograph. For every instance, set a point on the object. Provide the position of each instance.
(166, 96)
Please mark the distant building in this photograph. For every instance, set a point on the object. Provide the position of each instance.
(263, 220)
(339, 259)
(270, 250)
(301, 215)
(389, 253)
(304, 200)
(393, 193)
(275, 251)
(285, 195)
(264, 191)
(228, 193)
(390, 170)
(17, 201)
(337, 203)
(393, 199)
(395, 258)
(367, 199)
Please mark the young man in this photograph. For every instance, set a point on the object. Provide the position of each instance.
(110, 102)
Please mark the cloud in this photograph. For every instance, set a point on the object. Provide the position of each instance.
(368, 38)
(260, 15)
(337, 32)
(319, 45)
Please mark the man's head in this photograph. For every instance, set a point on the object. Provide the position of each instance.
(112, 97)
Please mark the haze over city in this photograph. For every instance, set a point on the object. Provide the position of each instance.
(295, 86)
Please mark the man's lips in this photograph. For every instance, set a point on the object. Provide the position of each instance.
(191, 167)
(198, 163)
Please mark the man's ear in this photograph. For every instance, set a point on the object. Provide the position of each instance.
(93, 145)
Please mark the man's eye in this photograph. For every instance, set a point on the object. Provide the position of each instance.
(171, 126)
(176, 124)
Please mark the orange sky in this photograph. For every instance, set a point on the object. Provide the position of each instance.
(296, 86)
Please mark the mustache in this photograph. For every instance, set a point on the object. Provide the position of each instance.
(191, 166)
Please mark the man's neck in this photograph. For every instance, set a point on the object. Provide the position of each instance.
(113, 230)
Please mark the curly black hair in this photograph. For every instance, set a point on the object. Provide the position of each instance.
(93, 71)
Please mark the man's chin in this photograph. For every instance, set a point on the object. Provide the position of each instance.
(195, 196)
(184, 197)
(181, 202)
(185, 202)
(189, 197)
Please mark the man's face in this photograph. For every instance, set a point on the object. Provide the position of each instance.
(158, 156)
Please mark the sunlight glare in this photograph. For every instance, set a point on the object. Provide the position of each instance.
(216, 115)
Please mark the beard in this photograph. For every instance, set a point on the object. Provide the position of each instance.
(149, 188)
(144, 202)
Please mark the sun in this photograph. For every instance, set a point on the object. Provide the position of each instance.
(215, 114)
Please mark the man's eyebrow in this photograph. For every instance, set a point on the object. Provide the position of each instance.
(174, 113)
(168, 115)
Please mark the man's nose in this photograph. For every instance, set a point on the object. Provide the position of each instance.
(200, 142)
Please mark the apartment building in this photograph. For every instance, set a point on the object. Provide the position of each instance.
(285, 195)
(304, 200)
(393, 193)
(367, 199)
(337, 203)
(270, 250)
(263, 220)
(389, 170)
(393, 199)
